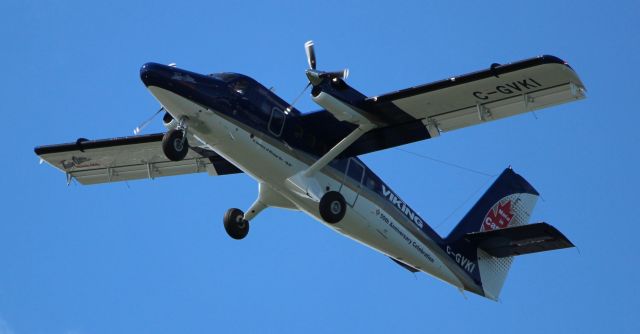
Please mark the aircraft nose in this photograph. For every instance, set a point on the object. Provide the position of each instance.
(153, 74)
(187, 84)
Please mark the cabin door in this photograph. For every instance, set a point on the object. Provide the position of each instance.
(352, 182)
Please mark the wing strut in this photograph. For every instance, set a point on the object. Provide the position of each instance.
(342, 108)
(338, 148)
(305, 184)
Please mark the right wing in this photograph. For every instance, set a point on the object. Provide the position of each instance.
(128, 158)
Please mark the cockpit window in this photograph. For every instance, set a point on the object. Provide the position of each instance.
(254, 91)
(226, 77)
(239, 86)
(236, 82)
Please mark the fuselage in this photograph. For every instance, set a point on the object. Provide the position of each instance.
(251, 127)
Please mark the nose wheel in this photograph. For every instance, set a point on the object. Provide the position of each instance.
(332, 207)
(235, 224)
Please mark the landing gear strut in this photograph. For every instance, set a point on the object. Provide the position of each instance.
(235, 224)
(332, 207)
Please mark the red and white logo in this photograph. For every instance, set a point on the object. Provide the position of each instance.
(499, 216)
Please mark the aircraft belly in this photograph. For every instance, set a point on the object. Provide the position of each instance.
(389, 237)
(364, 221)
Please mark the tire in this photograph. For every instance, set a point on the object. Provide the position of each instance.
(173, 147)
(236, 227)
(332, 207)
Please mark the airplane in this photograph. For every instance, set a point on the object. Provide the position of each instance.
(228, 123)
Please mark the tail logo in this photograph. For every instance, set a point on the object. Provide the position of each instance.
(499, 216)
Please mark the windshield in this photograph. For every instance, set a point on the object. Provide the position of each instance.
(226, 76)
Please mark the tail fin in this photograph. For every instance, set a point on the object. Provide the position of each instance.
(507, 203)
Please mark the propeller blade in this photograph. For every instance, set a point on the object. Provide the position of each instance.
(144, 124)
(311, 54)
(316, 77)
(340, 74)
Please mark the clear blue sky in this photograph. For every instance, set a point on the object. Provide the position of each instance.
(152, 257)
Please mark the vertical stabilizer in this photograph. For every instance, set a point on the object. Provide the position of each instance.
(509, 202)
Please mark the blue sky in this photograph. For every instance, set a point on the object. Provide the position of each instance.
(153, 257)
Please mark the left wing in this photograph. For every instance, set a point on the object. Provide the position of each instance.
(423, 112)
(128, 158)
(497, 92)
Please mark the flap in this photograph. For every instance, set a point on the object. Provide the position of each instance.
(128, 158)
(519, 240)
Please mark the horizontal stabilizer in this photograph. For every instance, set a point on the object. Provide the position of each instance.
(519, 240)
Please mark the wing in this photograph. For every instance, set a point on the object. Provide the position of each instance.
(499, 91)
(128, 158)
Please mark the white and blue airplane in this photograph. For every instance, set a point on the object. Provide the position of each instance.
(228, 123)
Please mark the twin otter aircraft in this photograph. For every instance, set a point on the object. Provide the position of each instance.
(228, 123)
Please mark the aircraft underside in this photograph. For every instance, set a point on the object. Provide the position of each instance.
(253, 152)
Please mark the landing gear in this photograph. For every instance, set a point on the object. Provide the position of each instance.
(332, 207)
(235, 224)
(175, 145)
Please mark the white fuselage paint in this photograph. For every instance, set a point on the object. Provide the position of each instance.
(365, 221)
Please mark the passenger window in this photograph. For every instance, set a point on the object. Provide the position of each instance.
(276, 121)
(371, 184)
(355, 170)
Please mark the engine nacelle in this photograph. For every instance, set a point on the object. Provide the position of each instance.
(169, 122)
(340, 110)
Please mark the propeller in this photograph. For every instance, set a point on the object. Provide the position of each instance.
(144, 124)
(316, 77)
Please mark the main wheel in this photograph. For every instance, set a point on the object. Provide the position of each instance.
(235, 225)
(332, 207)
(174, 148)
